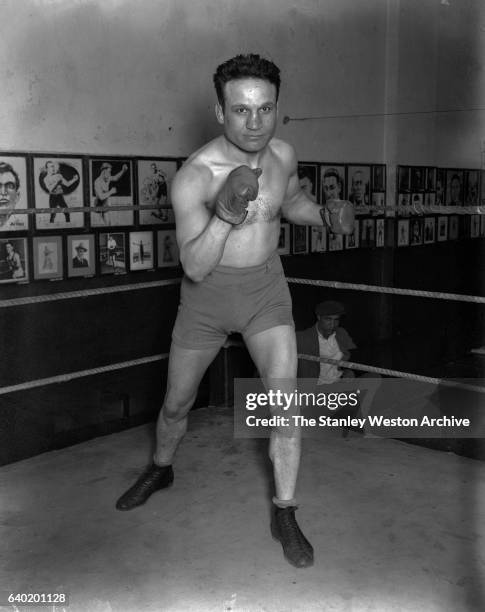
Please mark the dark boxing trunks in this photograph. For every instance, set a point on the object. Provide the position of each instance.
(246, 300)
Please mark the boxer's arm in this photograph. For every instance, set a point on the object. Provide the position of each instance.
(201, 236)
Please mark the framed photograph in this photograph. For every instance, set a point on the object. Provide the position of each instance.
(380, 233)
(112, 253)
(482, 187)
(454, 187)
(168, 251)
(110, 184)
(429, 199)
(141, 250)
(81, 260)
(378, 203)
(367, 233)
(404, 205)
(442, 235)
(359, 188)
(58, 185)
(332, 181)
(299, 239)
(308, 179)
(472, 179)
(352, 240)
(482, 225)
(13, 260)
(453, 227)
(418, 177)
(403, 179)
(415, 232)
(284, 239)
(474, 226)
(430, 179)
(429, 230)
(48, 257)
(402, 232)
(335, 242)
(154, 180)
(379, 177)
(318, 239)
(13, 193)
(440, 186)
(417, 201)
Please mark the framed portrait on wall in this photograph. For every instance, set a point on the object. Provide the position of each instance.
(453, 227)
(418, 178)
(14, 261)
(318, 240)
(454, 187)
(442, 233)
(404, 204)
(112, 253)
(367, 232)
(482, 187)
(81, 259)
(141, 250)
(332, 181)
(335, 242)
(415, 232)
(403, 179)
(110, 185)
(358, 188)
(417, 202)
(48, 257)
(472, 180)
(284, 239)
(299, 237)
(429, 199)
(402, 232)
(378, 203)
(308, 179)
(13, 193)
(380, 232)
(474, 226)
(58, 185)
(352, 240)
(379, 177)
(440, 186)
(154, 180)
(482, 225)
(429, 230)
(430, 179)
(168, 252)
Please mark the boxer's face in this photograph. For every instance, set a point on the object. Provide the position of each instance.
(8, 196)
(250, 113)
(331, 188)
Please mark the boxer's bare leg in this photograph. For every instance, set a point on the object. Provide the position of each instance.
(186, 367)
(275, 355)
(185, 370)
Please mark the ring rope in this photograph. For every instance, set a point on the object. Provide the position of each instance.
(62, 378)
(414, 208)
(394, 373)
(391, 290)
(69, 295)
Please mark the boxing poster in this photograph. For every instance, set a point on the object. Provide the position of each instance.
(318, 242)
(112, 253)
(358, 191)
(168, 252)
(332, 181)
(58, 185)
(307, 178)
(299, 239)
(284, 239)
(141, 250)
(154, 183)
(352, 241)
(110, 185)
(13, 193)
(48, 263)
(403, 232)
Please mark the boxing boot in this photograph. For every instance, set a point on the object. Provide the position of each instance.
(153, 479)
(284, 528)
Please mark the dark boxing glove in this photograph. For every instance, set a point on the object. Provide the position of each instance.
(338, 215)
(240, 188)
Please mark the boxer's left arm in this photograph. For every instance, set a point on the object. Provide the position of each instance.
(298, 208)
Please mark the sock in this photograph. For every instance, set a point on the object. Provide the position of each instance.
(284, 503)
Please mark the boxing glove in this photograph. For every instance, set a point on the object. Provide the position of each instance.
(338, 215)
(240, 188)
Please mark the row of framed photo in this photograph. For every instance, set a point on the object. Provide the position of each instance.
(370, 233)
(430, 186)
(86, 255)
(61, 183)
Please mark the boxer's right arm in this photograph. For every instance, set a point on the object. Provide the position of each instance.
(201, 235)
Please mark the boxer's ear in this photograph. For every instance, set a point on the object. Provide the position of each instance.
(219, 113)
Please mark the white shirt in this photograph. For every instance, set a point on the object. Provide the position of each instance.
(329, 347)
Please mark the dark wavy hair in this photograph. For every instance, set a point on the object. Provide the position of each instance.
(246, 66)
(4, 168)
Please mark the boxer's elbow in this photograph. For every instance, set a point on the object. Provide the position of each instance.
(192, 269)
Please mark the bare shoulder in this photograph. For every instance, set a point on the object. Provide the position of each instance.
(285, 152)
